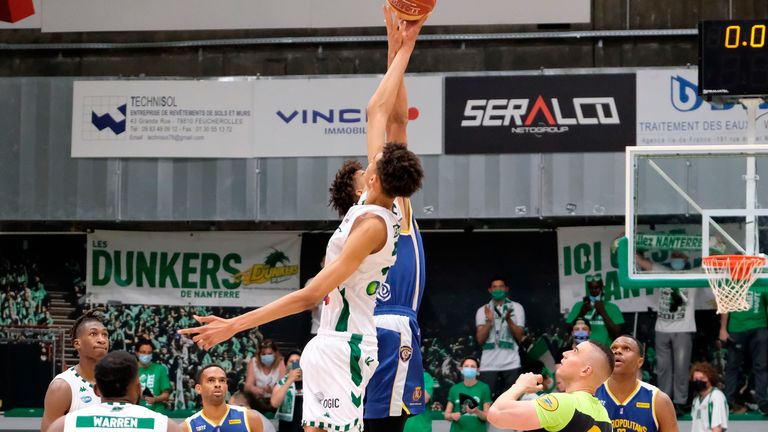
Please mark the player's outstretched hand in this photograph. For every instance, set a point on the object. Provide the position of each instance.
(394, 35)
(214, 331)
(410, 30)
(530, 382)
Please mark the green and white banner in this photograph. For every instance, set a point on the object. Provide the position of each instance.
(585, 252)
(245, 269)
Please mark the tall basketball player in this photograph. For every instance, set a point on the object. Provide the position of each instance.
(72, 389)
(396, 389)
(633, 405)
(340, 360)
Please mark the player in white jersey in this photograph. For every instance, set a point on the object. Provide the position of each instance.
(72, 389)
(338, 362)
(117, 381)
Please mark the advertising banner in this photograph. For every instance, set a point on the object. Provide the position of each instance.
(162, 119)
(246, 269)
(326, 117)
(670, 112)
(586, 252)
(539, 113)
(19, 14)
(138, 15)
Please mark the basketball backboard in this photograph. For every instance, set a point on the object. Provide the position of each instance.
(688, 202)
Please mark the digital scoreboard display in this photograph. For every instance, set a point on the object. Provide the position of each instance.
(733, 58)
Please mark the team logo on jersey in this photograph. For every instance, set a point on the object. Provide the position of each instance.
(372, 288)
(643, 405)
(199, 428)
(405, 353)
(384, 293)
(235, 421)
(548, 402)
(417, 393)
(86, 399)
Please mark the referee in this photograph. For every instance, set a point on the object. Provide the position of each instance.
(583, 369)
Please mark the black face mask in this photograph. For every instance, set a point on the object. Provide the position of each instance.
(699, 385)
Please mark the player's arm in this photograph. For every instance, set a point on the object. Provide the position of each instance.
(398, 119)
(368, 235)
(665, 412)
(382, 103)
(183, 426)
(58, 398)
(254, 421)
(510, 413)
(56, 426)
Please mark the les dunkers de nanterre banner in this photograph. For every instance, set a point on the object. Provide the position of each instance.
(244, 269)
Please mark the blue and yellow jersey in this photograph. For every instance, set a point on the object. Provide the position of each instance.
(404, 286)
(635, 414)
(236, 420)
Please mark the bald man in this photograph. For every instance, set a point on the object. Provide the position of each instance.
(582, 370)
(633, 405)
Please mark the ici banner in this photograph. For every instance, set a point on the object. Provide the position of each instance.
(539, 113)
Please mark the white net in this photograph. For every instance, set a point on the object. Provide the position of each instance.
(730, 277)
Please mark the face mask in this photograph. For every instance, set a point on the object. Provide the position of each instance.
(595, 298)
(268, 359)
(469, 373)
(498, 294)
(699, 385)
(677, 264)
(580, 336)
(145, 358)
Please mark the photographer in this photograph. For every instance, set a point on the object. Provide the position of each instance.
(605, 317)
(287, 396)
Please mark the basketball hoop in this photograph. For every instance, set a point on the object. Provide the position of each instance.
(730, 277)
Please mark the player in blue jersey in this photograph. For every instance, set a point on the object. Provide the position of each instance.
(633, 405)
(396, 389)
(216, 414)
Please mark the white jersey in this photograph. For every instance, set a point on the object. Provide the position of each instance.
(82, 392)
(115, 417)
(349, 307)
(709, 412)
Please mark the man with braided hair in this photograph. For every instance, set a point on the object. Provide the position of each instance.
(72, 389)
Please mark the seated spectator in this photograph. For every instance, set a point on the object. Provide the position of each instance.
(287, 396)
(605, 317)
(263, 372)
(580, 331)
(155, 385)
(468, 401)
(709, 412)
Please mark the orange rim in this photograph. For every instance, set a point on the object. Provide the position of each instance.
(740, 266)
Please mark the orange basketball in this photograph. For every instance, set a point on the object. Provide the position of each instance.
(412, 10)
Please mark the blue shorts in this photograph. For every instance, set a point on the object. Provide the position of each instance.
(397, 386)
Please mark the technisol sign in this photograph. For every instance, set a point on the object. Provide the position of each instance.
(539, 114)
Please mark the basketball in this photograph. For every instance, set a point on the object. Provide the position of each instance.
(411, 10)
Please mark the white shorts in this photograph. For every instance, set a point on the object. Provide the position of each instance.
(336, 367)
